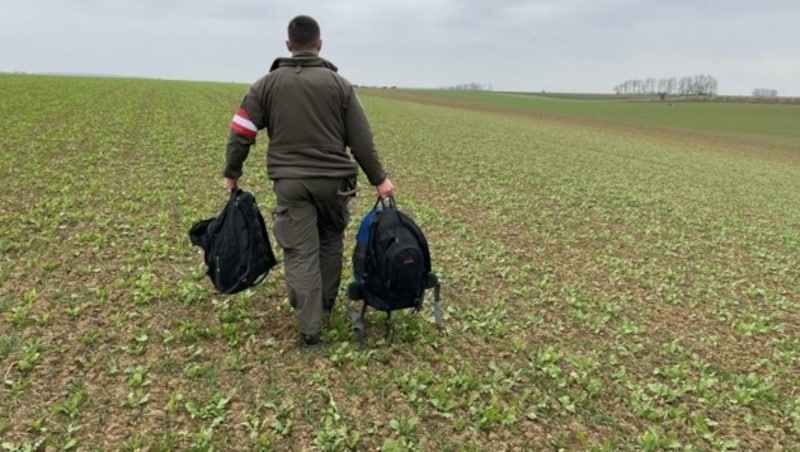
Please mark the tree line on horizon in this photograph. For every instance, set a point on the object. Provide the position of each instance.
(697, 85)
(472, 86)
(765, 92)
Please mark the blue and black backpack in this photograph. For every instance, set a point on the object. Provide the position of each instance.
(391, 265)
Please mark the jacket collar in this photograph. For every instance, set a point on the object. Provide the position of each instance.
(303, 59)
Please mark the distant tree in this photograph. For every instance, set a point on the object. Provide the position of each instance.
(662, 87)
(764, 92)
(650, 86)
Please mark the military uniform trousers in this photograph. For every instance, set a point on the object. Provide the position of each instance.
(310, 218)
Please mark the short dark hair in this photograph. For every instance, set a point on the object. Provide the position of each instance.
(303, 32)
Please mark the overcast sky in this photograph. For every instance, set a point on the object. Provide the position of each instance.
(521, 45)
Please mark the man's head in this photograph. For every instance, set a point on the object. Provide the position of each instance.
(304, 35)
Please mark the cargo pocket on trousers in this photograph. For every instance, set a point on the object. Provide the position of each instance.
(285, 234)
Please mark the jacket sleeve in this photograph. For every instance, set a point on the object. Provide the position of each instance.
(360, 140)
(247, 121)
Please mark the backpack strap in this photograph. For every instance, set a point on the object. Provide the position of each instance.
(378, 208)
(432, 282)
(388, 334)
(358, 322)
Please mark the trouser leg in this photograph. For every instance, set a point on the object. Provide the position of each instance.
(330, 254)
(333, 216)
(295, 228)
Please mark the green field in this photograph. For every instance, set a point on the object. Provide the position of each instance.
(767, 123)
(605, 287)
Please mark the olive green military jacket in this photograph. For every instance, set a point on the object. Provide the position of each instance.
(311, 115)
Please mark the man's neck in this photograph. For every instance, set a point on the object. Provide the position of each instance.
(305, 53)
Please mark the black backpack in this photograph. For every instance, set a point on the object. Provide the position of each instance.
(391, 265)
(236, 245)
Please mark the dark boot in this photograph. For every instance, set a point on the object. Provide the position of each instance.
(311, 341)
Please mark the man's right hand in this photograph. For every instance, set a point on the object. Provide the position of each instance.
(231, 184)
(385, 189)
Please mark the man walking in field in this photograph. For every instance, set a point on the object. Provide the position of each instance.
(311, 115)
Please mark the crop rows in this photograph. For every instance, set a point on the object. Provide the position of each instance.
(601, 291)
